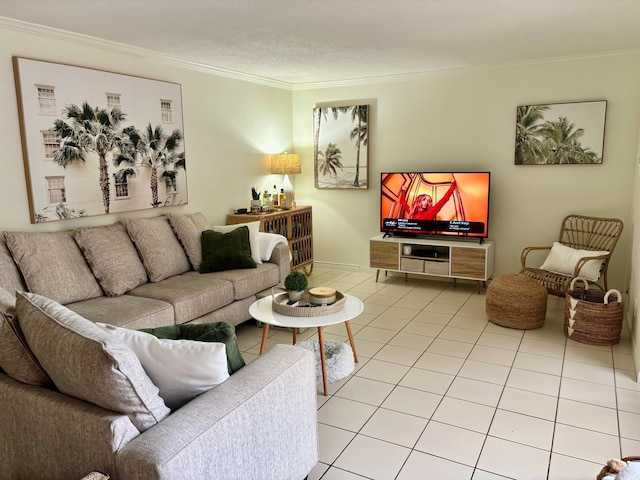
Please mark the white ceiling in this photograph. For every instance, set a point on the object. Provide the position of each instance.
(310, 41)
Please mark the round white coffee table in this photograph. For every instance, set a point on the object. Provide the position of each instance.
(261, 310)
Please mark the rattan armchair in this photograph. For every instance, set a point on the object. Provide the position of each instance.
(583, 233)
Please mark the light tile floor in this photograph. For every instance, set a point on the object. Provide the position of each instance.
(441, 393)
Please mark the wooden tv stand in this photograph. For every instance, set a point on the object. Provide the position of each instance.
(464, 259)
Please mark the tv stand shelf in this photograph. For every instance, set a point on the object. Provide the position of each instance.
(463, 259)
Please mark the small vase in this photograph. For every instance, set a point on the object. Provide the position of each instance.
(295, 295)
(256, 206)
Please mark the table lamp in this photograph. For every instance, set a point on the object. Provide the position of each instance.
(285, 164)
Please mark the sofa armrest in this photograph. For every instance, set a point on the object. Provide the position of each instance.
(260, 423)
(46, 433)
(281, 256)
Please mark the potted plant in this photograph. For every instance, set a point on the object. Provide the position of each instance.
(256, 205)
(294, 284)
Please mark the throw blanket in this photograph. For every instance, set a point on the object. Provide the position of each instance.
(268, 242)
(205, 332)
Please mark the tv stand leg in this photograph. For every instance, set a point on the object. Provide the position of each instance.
(377, 274)
(454, 282)
(406, 277)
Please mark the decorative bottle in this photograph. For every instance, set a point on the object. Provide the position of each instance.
(283, 199)
(275, 197)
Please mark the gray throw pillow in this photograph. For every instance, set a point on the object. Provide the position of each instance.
(161, 252)
(188, 229)
(87, 363)
(10, 277)
(16, 358)
(53, 265)
(112, 257)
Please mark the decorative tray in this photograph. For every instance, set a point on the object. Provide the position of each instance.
(303, 307)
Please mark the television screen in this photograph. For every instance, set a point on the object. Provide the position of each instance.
(430, 203)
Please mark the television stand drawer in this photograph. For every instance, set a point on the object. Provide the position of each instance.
(412, 264)
(435, 267)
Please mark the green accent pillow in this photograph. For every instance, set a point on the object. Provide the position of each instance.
(226, 251)
(205, 332)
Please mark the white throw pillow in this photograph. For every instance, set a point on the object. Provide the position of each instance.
(563, 260)
(254, 240)
(181, 369)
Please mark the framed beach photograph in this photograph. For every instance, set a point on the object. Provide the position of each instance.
(560, 133)
(97, 142)
(340, 147)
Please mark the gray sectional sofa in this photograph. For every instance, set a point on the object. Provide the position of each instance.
(138, 274)
(73, 398)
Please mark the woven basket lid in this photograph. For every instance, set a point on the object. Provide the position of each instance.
(322, 292)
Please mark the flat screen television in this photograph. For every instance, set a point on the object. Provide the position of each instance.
(435, 203)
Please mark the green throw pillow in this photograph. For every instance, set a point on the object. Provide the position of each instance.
(226, 251)
(205, 332)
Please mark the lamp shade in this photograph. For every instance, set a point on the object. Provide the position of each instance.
(285, 163)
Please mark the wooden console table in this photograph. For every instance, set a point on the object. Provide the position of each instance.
(295, 224)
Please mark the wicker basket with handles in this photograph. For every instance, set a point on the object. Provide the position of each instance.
(593, 316)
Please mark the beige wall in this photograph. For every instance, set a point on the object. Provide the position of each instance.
(450, 120)
(230, 125)
(465, 120)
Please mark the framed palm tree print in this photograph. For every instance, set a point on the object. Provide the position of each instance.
(340, 146)
(560, 133)
(97, 142)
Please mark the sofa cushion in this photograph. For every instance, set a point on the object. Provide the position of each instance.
(247, 282)
(191, 295)
(161, 252)
(112, 257)
(85, 362)
(52, 265)
(16, 358)
(126, 311)
(188, 229)
(226, 251)
(10, 277)
(254, 239)
(181, 369)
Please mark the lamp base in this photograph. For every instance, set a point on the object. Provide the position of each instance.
(288, 191)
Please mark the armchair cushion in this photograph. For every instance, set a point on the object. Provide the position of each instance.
(181, 369)
(86, 363)
(563, 260)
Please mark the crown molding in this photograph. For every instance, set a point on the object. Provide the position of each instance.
(146, 54)
(173, 60)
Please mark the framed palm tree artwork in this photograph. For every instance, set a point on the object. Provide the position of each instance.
(340, 146)
(560, 133)
(97, 142)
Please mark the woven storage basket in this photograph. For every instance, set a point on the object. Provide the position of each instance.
(516, 301)
(304, 308)
(591, 317)
(607, 470)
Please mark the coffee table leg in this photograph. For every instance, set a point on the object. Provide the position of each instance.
(353, 344)
(294, 330)
(323, 360)
(265, 332)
